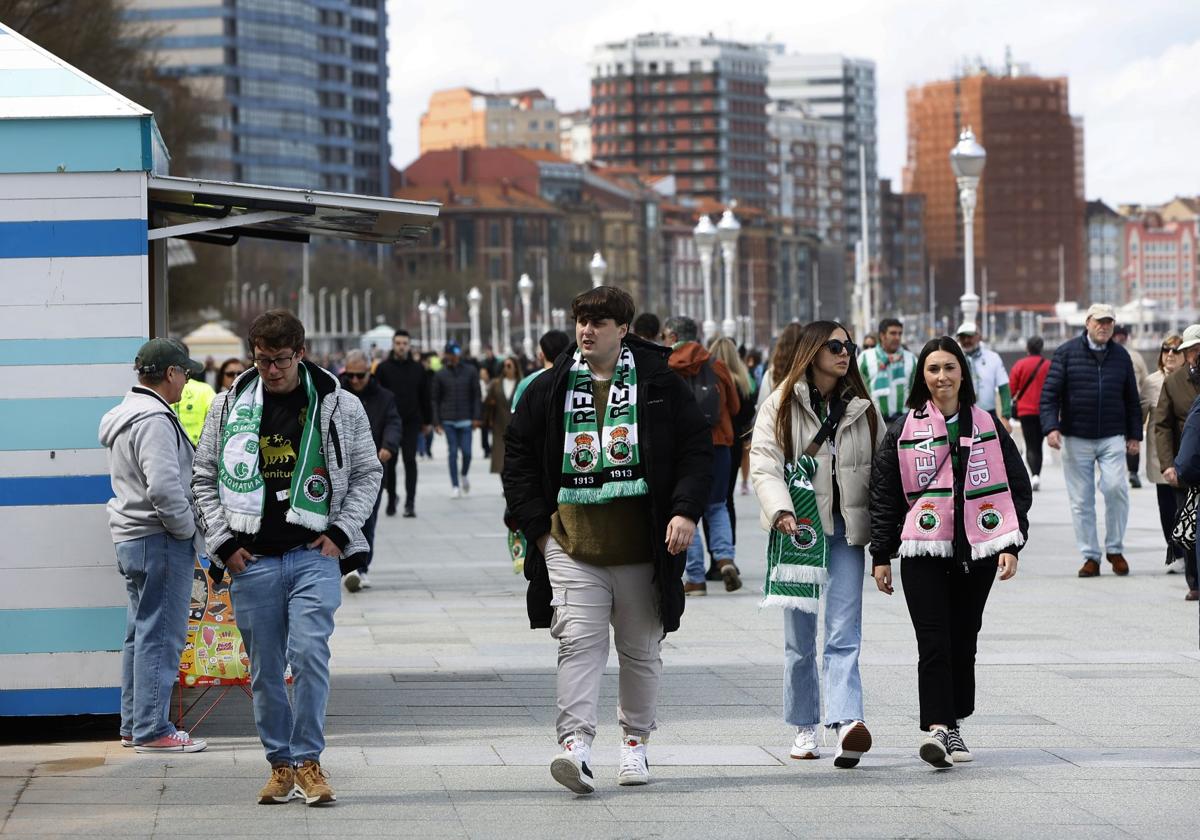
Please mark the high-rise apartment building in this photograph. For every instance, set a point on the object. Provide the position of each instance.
(840, 90)
(1030, 201)
(1105, 254)
(807, 184)
(903, 285)
(692, 107)
(299, 87)
(465, 118)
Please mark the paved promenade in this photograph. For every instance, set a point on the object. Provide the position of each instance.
(441, 718)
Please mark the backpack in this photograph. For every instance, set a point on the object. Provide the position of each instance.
(707, 391)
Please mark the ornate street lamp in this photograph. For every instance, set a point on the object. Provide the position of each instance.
(525, 287)
(967, 160)
(728, 231)
(705, 237)
(443, 307)
(506, 330)
(423, 308)
(597, 267)
(473, 298)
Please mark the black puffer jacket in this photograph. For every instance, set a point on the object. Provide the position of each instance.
(889, 507)
(380, 405)
(676, 449)
(1084, 397)
(456, 394)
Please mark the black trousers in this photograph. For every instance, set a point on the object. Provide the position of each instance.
(1031, 429)
(1133, 460)
(946, 606)
(410, 431)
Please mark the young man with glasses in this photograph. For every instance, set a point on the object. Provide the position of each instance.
(286, 475)
(153, 525)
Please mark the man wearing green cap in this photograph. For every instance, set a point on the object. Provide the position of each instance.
(153, 524)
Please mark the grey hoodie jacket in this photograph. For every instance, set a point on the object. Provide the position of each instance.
(150, 461)
(350, 456)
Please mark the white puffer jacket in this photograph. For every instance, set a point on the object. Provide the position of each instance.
(851, 442)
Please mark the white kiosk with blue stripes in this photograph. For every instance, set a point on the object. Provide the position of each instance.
(86, 209)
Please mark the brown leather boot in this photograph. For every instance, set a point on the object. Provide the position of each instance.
(729, 573)
(1119, 566)
(695, 588)
(1090, 568)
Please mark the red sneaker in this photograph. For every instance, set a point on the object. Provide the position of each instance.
(178, 741)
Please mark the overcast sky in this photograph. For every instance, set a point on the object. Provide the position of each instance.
(1134, 67)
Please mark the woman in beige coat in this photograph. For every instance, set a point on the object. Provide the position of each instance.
(822, 409)
(497, 408)
(1170, 359)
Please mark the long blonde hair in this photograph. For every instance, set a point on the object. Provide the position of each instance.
(724, 349)
(810, 341)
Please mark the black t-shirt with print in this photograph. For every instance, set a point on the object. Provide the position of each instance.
(279, 440)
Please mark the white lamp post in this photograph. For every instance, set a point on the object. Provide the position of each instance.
(705, 236)
(597, 267)
(967, 160)
(525, 287)
(506, 330)
(322, 311)
(473, 298)
(345, 310)
(443, 306)
(727, 231)
(423, 308)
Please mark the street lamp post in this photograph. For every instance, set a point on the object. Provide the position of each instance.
(473, 298)
(705, 236)
(322, 311)
(597, 267)
(423, 308)
(345, 309)
(967, 160)
(727, 231)
(506, 330)
(367, 308)
(525, 287)
(443, 306)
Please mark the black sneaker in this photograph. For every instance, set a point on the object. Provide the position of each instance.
(958, 748)
(409, 513)
(935, 749)
(1135, 481)
(391, 507)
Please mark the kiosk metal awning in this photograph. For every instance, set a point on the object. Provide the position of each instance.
(220, 213)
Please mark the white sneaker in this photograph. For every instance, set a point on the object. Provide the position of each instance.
(353, 581)
(466, 485)
(854, 739)
(635, 768)
(1176, 566)
(363, 581)
(805, 745)
(570, 767)
(1036, 481)
(455, 493)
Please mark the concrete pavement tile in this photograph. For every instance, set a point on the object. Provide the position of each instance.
(660, 755)
(993, 828)
(1177, 758)
(431, 756)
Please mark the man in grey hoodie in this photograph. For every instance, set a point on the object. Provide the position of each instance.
(153, 525)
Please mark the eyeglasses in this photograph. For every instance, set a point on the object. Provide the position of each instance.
(836, 346)
(362, 375)
(280, 362)
(233, 374)
(1172, 350)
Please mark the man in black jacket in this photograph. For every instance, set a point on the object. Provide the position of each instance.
(380, 406)
(456, 411)
(608, 464)
(1090, 409)
(408, 381)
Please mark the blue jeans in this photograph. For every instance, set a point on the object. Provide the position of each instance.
(716, 517)
(284, 607)
(1080, 457)
(843, 638)
(158, 579)
(458, 437)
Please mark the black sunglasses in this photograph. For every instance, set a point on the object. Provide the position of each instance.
(362, 375)
(836, 346)
(1172, 350)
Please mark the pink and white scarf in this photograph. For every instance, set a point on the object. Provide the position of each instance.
(927, 476)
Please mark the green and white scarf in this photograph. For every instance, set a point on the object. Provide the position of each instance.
(240, 482)
(798, 565)
(601, 462)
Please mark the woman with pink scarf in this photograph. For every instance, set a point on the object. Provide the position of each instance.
(950, 496)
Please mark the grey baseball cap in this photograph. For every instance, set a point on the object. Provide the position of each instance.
(158, 354)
